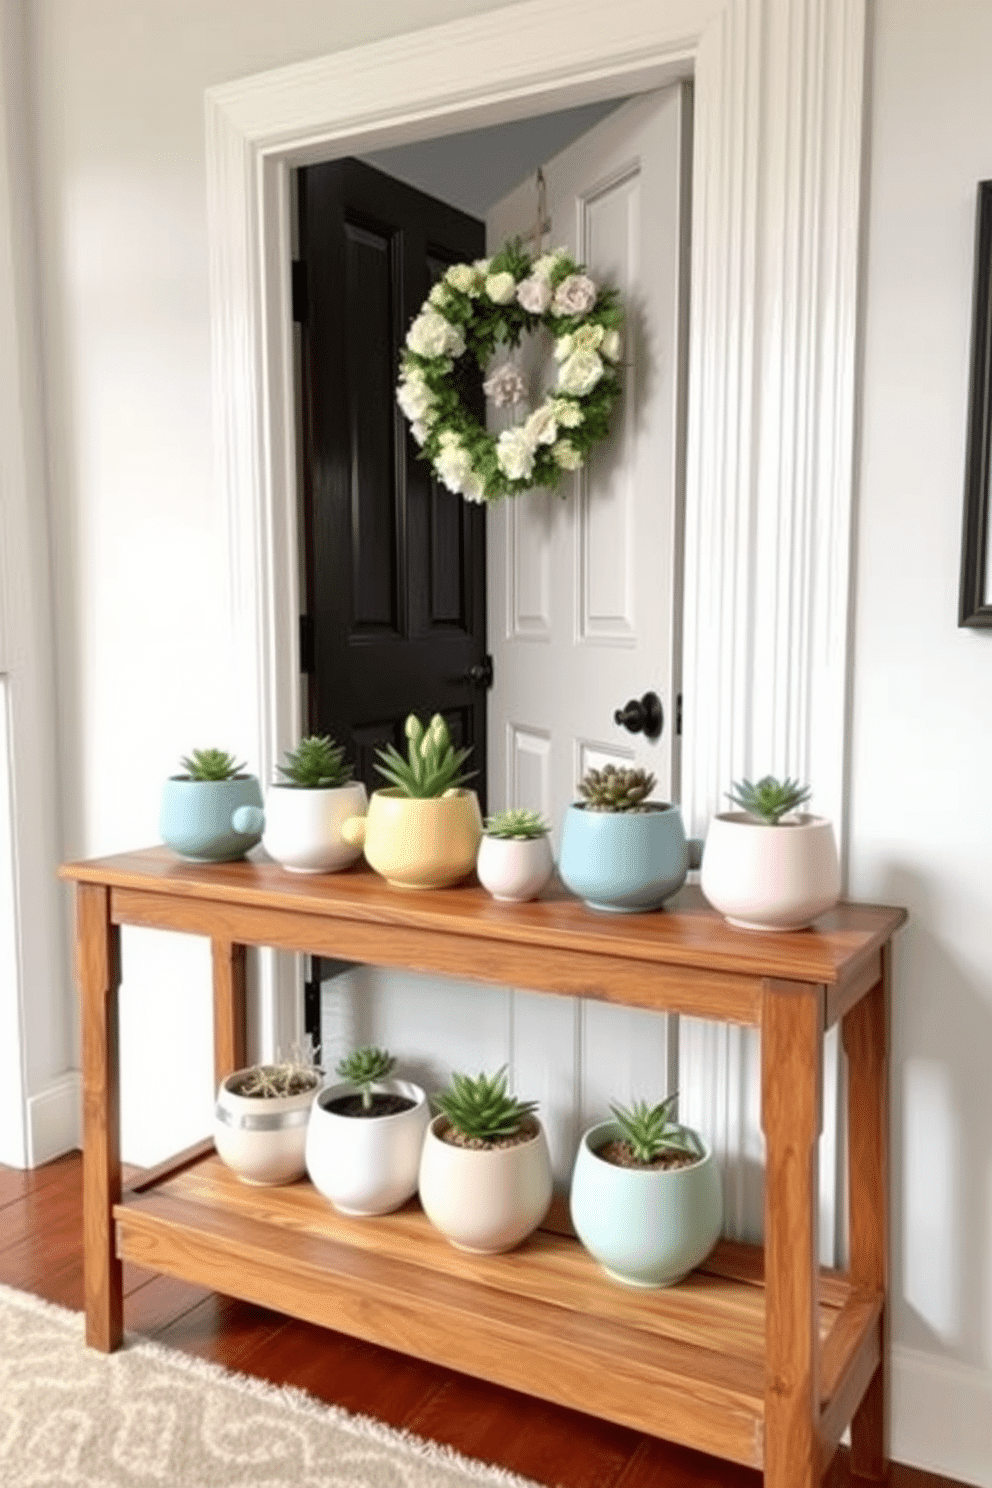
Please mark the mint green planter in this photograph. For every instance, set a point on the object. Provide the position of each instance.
(645, 1228)
(196, 819)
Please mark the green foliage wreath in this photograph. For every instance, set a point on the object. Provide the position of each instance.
(470, 313)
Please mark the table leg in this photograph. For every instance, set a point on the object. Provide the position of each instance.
(230, 1007)
(791, 1115)
(98, 975)
(866, 1042)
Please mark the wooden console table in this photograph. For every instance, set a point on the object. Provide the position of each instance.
(760, 1356)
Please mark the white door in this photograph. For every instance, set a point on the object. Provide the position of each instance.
(583, 583)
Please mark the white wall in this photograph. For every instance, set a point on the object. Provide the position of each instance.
(140, 611)
(921, 818)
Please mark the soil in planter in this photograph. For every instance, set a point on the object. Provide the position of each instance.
(526, 1132)
(621, 1155)
(383, 1104)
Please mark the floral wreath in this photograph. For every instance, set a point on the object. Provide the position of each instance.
(470, 312)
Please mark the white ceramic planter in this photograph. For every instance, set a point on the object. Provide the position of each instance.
(514, 868)
(301, 828)
(770, 878)
(485, 1200)
(646, 1228)
(367, 1165)
(263, 1141)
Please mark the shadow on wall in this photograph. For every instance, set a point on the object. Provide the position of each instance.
(941, 1133)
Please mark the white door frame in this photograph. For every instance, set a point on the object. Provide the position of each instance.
(777, 176)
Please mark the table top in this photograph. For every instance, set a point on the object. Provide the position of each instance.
(686, 933)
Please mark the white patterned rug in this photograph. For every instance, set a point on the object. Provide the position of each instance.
(147, 1416)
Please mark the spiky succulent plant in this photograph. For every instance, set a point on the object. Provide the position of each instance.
(769, 799)
(363, 1067)
(653, 1130)
(209, 764)
(616, 788)
(516, 823)
(481, 1108)
(433, 765)
(317, 763)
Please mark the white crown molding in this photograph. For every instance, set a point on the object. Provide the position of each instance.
(778, 107)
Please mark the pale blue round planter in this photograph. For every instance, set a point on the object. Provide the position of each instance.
(645, 1228)
(196, 819)
(625, 861)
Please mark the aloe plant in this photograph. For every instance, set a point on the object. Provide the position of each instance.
(317, 763)
(480, 1108)
(616, 788)
(433, 765)
(653, 1130)
(517, 822)
(209, 764)
(364, 1067)
(769, 799)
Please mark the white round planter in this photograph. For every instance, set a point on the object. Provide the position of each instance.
(485, 1200)
(646, 1227)
(514, 868)
(263, 1141)
(301, 828)
(367, 1164)
(770, 878)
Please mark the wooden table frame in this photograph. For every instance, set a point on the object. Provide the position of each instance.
(763, 1359)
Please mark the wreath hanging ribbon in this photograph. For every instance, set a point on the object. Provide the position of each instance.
(476, 309)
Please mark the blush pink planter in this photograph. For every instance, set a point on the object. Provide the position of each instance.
(770, 878)
(514, 868)
(485, 1200)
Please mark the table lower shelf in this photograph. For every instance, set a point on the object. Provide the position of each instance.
(685, 1363)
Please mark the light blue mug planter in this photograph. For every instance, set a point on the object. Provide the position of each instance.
(197, 817)
(646, 1227)
(626, 861)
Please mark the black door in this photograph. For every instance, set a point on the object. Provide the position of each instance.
(394, 563)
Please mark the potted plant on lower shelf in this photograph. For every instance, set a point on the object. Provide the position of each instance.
(646, 1199)
(770, 866)
(305, 811)
(515, 860)
(423, 830)
(199, 806)
(261, 1116)
(365, 1136)
(485, 1171)
(620, 851)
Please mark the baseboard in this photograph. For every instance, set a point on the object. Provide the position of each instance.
(54, 1119)
(942, 1416)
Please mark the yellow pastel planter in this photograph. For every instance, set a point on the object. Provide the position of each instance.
(419, 844)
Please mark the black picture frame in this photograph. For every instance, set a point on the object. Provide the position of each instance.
(975, 601)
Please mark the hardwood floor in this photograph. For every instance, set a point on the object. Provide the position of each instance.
(41, 1252)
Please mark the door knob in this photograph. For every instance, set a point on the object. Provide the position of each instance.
(642, 715)
(481, 674)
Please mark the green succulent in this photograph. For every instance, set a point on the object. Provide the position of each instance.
(209, 764)
(616, 788)
(433, 764)
(316, 763)
(652, 1130)
(516, 823)
(481, 1108)
(769, 799)
(364, 1067)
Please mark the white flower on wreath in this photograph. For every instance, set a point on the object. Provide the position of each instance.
(548, 262)
(506, 384)
(611, 346)
(420, 430)
(465, 278)
(515, 454)
(541, 427)
(588, 338)
(414, 397)
(454, 467)
(564, 347)
(439, 296)
(481, 266)
(474, 487)
(501, 287)
(566, 455)
(567, 413)
(575, 295)
(580, 374)
(534, 294)
(431, 335)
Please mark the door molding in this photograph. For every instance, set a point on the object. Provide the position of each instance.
(777, 179)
